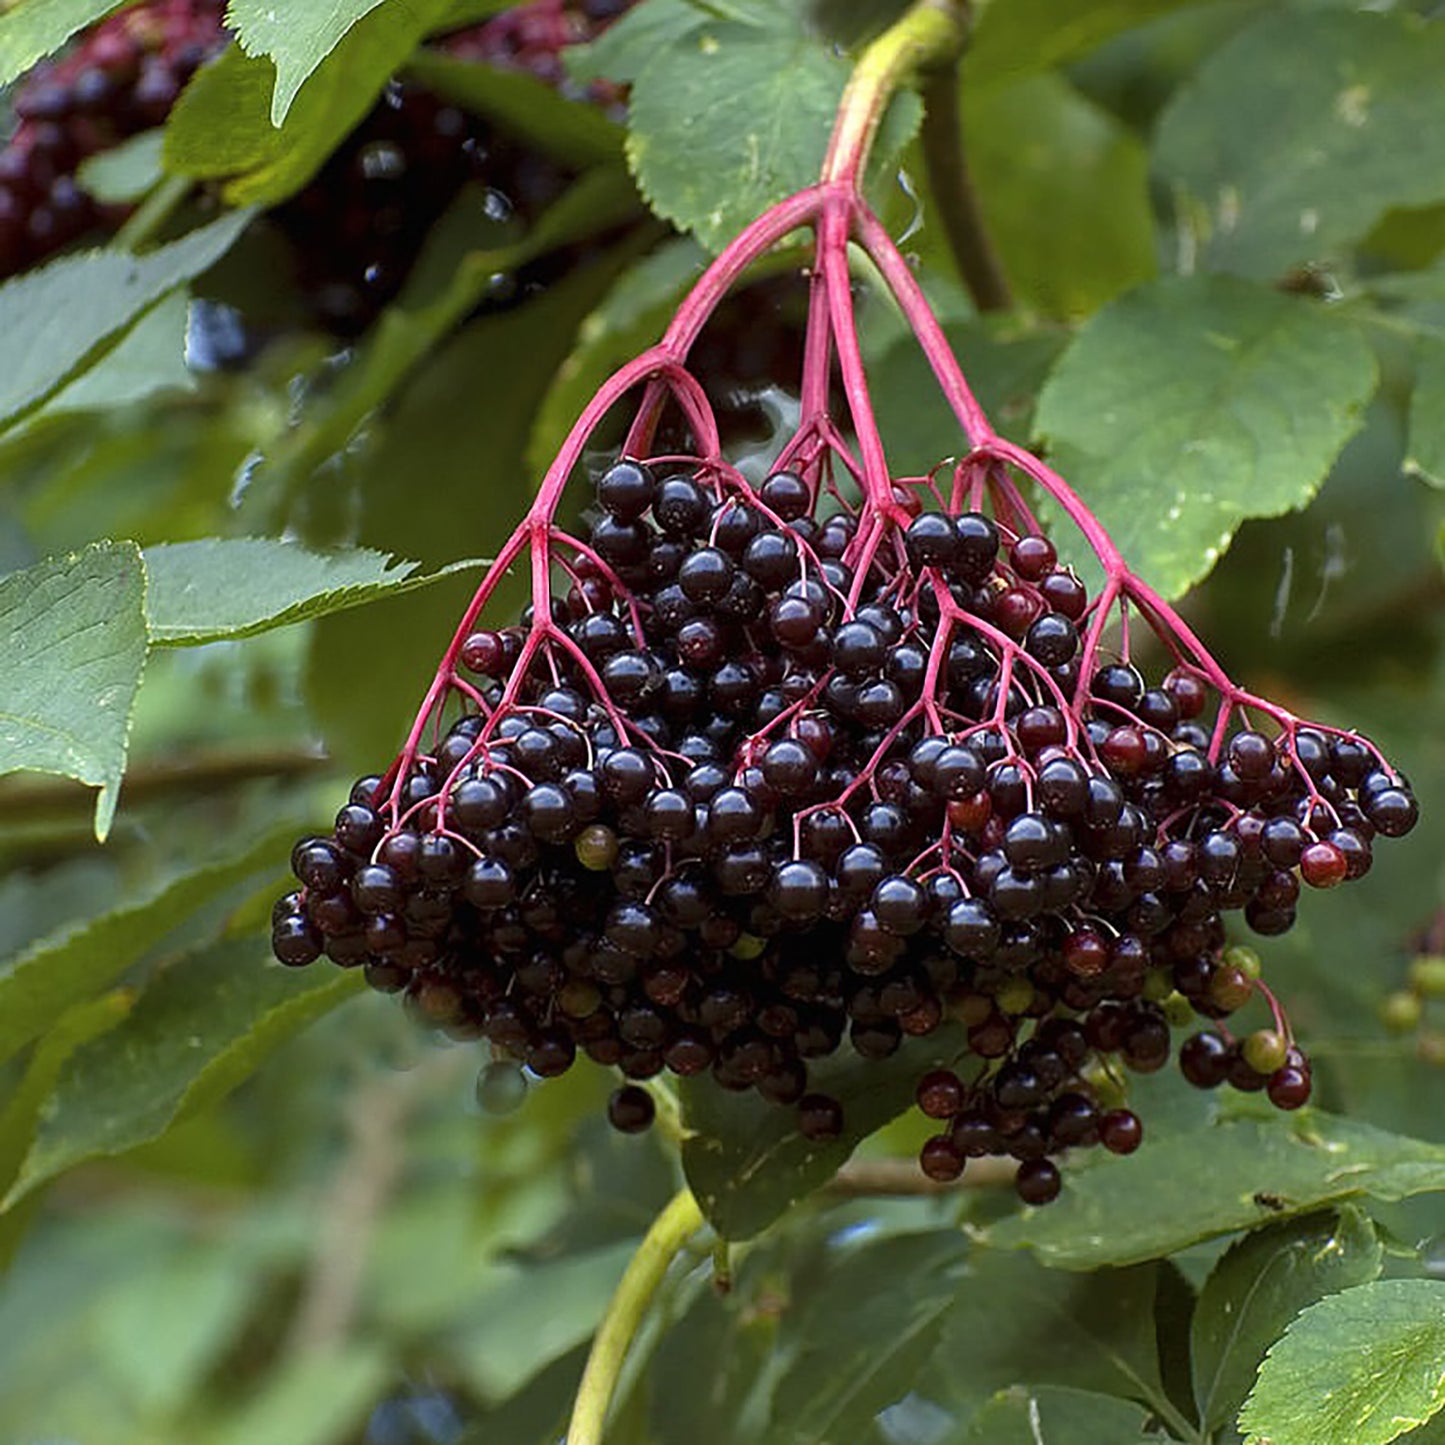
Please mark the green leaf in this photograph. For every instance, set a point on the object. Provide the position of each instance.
(296, 37)
(575, 132)
(148, 360)
(1160, 1201)
(52, 319)
(760, 106)
(22, 1111)
(1258, 1287)
(36, 28)
(1038, 147)
(321, 1396)
(1190, 404)
(1027, 35)
(72, 648)
(1276, 175)
(713, 1369)
(952, 1324)
(1359, 1368)
(1006, 360)
(535, 1314)
(622, 52)
(38, 985)
(1087, 1332)
(630, 318)
(1426, 456)
(1049, 1415)
(222, 125)
(537, 1414)
(125, 173)
(224, 588)
(165, 1327)
(201, 1027)
(746, 1160)
(904, 1286)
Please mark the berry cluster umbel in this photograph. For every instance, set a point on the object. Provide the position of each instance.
(357, 228)
(755, 802)
(766, 774)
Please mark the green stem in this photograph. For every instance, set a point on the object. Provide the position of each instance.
(929, 32)
(953, 194)
(677, 1223)
(153, 212)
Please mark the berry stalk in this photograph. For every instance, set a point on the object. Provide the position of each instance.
(679, 1221)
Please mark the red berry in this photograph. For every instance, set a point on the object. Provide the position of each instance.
(1121, 1131)
(941, 1159)
(940, 1094)
(1289, 1087)
(1323, 865)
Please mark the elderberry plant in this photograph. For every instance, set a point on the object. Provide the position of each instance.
(769, 772)
(839, 823)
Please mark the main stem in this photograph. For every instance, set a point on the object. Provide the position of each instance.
(928, 32)
(672, 1229)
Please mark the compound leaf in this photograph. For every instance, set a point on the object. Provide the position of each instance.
(753, 129)
(296, 37)
(55, 318)
(747, 1161)
(31, 31)
(74, 962)
(1426, 455)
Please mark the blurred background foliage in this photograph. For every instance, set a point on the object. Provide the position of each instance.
(223, 1226)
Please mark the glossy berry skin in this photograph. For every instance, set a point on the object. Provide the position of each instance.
(1120, 1131)
(819, 1117)
(1038, 1181)
(631, 1109)
(941, 1159)
(1289, 1087)
(940, 1094)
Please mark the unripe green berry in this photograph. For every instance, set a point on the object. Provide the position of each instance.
(1427, 975)
(501, 1088)
(1244, 958)
(596, 847)
(1158, 984)
(748, 947)
(1265, 1051)
(1178, 1010)
(1400, 1012)
(1015, 996)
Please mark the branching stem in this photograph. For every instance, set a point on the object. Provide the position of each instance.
(670, 1231)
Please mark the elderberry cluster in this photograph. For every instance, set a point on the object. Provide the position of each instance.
(357, 228)
(123, 77)
(355, 231)
(532, 37)
(755, 793)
